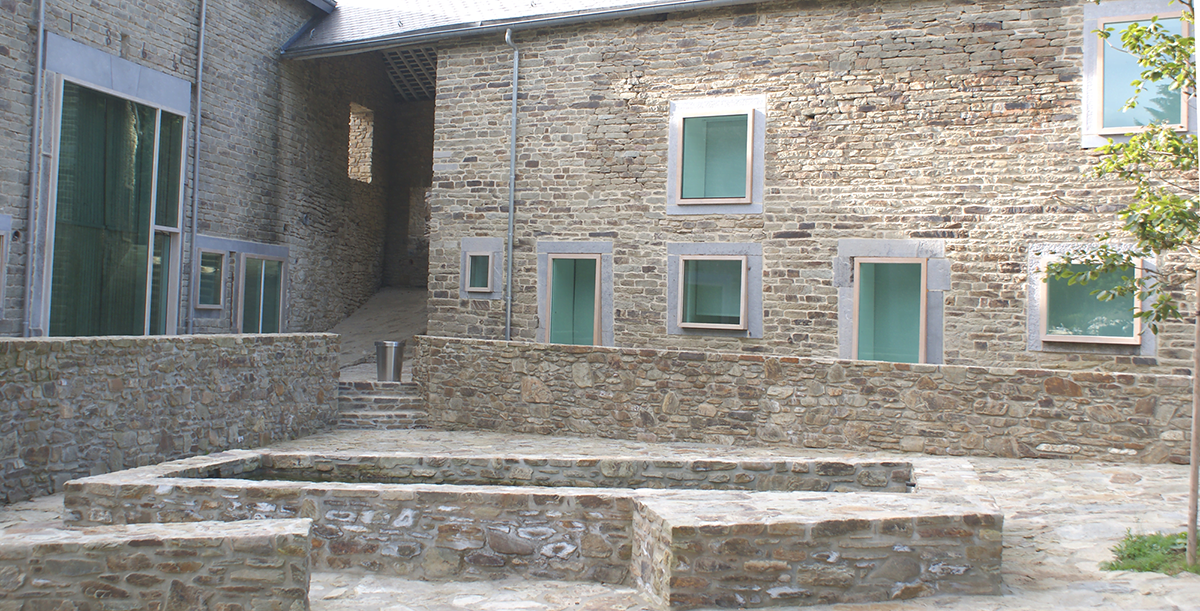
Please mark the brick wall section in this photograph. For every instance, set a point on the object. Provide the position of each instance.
(274, 147)
(897, 119)
(748, 399)
(82, 406)
(239, 566)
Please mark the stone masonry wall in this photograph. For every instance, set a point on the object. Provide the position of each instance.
(273, 157)
(898, 119)
(83, 406)
(239, 566)
(750, 399)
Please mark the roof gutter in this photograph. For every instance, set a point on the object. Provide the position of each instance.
(482, 28)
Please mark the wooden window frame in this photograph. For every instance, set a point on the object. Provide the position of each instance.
(1103, 46)
(743, 319)
(923, 340)
(550, 292)
(1044, 316)
(467, 274)
(676, 124)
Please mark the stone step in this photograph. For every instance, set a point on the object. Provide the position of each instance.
(383, 420)
(373, 387)
(379, 403)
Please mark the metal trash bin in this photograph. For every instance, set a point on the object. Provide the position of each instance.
(389, 356)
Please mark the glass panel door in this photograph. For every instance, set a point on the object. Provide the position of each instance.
(262, 295)
(890, 323)
(573, 301)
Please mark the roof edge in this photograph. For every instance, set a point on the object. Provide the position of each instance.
(481, 28)
(325, 6)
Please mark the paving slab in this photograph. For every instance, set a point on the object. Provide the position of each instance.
(1061, 519)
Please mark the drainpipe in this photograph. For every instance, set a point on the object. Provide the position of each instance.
(512, 189)
(35, 172)
(195, 203)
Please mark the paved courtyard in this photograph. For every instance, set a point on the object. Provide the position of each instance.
(1061, 518)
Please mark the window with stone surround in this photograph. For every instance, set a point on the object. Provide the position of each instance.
(479, 272)
(211, 289)
(715, 155)
(479, 268)
(260, 305)
(714, 289)
(889, 309)
(575, 293)
(1109, 71)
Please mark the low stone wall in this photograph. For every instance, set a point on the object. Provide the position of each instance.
(72, 407)
(749, 399)
(237, 566)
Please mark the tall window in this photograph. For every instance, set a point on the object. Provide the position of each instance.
(889, 310)
(362, 143)
(1157, 103)
(262, 295)
(1073, 313)
(574, 294)
(116, 224)
(211, 295)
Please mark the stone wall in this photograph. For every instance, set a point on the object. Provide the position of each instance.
(82, 406)
(238, 566)
(751, 399)
(955, 122)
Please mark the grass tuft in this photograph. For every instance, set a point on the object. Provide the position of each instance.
(1153, 553)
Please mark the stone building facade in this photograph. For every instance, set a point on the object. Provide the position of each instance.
(953, 133)
(274, 183)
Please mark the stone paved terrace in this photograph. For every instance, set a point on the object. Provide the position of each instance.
(1061, 518)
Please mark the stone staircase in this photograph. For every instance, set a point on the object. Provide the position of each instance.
(369, 405)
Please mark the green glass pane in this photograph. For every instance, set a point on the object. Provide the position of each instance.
(212, 274)
(889, 312)
(252, 295)
(1074, 310)
(1156, 103)
(160, 276)
(272, 296)
(712, 291)
(102, 215)
(573, 301)
(170, 161)
(714, 157)
(480, 272)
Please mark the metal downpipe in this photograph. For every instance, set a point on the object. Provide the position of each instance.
(195, 203)
(512, 190)
(35, 168)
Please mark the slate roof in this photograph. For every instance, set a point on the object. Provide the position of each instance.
(361, 25)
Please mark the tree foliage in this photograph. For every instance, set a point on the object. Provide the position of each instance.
(1160, 162)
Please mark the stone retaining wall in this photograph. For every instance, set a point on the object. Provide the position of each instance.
(750, 399)
(238, 566)
(73, 407)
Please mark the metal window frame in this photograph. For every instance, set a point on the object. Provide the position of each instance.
(241, 290)
(197, 274)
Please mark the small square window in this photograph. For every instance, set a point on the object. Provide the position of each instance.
(211, 281)
(716, 159)
(479, 272)
(712, 292)
(1073, 313)
(1118, 68)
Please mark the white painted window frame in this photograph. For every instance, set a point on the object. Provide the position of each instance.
(596, 292)
(923, 340)
(743, 318)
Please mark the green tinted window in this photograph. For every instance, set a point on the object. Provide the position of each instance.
(889, 312)
(480, 273)
(102, 215)
(262, 296)
(1157, 103)
(170, 161)
(714, 157)
(160, 265)
(573, 301)
(212, 273)
(1074, 311)
(712, 292)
